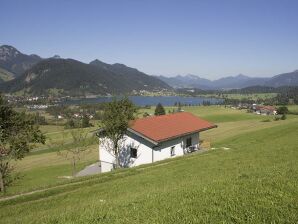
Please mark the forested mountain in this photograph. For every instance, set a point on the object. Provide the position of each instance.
(231, 82)
(134, 78)
(71, 77)
(16, 62)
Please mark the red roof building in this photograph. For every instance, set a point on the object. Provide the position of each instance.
(153, 139)
(166, 127)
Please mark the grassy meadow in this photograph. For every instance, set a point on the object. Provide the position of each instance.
(251, 176)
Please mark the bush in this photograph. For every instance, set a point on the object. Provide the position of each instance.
(276, 118)
(283, 117)
(146, 114)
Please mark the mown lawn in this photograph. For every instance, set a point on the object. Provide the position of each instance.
(42, 170)
(253, 179)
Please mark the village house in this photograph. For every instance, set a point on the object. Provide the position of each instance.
(155, 138)
(265, 110)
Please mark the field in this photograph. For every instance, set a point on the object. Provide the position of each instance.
(251, 96)
(250, 177)
(239, 96)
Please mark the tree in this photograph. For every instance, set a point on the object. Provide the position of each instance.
(17, 132)
(159, 110)
(116, 119)
(85, 121)
(70, 124)
(282, 110)
(76, 149)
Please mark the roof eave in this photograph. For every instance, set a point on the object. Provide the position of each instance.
(188, 133)
(143, 136)
(167, 139)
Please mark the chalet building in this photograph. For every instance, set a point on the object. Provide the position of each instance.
(155, 138)
(265, 110)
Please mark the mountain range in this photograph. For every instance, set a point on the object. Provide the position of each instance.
(34, 75)
(57, 76)
(230, 82)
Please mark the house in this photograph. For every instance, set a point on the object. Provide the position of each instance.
(155, 138)
(265, 110)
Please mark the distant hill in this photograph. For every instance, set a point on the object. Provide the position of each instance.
(187, 81)
(231, 82)
(285, 79)
(71, 77)
(16, 62)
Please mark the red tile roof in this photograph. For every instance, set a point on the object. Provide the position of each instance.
(271, 108)
(161, 128)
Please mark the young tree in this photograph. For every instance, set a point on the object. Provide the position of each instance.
(76, 148)
(70, 124)
(116, 119)
(17, 131)
(159, 110)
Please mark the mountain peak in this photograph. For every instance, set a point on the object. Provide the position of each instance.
(97, 62)
(56, 56)
(7, 52)
(16, 62)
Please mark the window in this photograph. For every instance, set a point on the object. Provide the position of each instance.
(172, 150)
(188, 142)
(133, 153)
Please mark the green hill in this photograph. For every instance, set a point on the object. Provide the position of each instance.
(71, 77)
(249, 178)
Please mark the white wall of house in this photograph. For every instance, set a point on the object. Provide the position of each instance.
(146, 151)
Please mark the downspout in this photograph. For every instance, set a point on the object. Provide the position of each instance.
(153, 153)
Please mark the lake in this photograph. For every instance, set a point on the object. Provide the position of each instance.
(149, 100)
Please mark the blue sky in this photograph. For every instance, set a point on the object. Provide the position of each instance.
(208, 38)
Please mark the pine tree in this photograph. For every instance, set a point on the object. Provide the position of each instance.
(159, 110)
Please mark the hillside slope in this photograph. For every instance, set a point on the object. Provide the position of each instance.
(71, 77)
(5, 75)
(253, 179)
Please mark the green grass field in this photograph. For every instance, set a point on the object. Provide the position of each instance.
(239, 96)
(251, 177)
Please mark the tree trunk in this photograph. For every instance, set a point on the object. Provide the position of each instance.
(73, 167)
(117, 158)
(2, 188)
